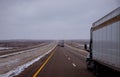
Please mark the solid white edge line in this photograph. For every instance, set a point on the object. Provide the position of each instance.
(73, 52)
(73, 64)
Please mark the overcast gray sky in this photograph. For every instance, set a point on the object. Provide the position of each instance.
(51, 19)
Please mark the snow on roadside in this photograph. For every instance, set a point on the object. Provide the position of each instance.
(9, 63)
(21, 68)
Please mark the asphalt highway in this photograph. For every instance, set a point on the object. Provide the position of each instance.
(62, 62)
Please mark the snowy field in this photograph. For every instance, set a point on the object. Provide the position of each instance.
(2, 48)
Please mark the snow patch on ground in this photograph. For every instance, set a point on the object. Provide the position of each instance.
(9, 63)
(21, 68)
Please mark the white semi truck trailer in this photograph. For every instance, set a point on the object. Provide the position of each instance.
(104, 50)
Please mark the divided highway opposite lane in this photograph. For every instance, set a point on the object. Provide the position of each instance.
(18, 51)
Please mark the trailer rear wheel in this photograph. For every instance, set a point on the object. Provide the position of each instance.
(89, 64)
(98, 71)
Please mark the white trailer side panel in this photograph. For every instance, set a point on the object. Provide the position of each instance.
(114, 13)
(106, 45)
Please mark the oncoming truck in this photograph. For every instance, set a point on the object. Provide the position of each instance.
(104, 50)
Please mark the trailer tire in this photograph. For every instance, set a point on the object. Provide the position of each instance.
(89, 64)
(97, 70)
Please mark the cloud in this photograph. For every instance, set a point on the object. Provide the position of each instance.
(51, 19)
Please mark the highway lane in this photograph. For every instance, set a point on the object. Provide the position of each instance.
(61, 63)
(20, 50)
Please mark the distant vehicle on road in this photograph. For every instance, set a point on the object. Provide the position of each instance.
(104, 50)
(61, 43)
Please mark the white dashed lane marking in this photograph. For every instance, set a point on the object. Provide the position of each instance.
(69, 58)
(73, 64)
